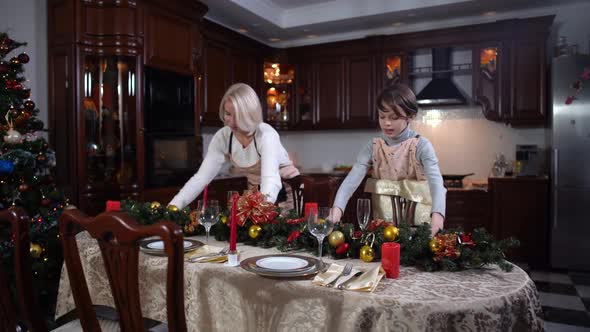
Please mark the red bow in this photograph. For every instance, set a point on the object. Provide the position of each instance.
(253, 206)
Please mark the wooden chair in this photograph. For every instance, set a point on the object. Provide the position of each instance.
(117, 235)
(404, 210)
(29, 308)
(321, 190)
(297, 189)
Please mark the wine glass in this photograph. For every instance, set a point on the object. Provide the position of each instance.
(209, 215)
(363, 212)
(320, 226)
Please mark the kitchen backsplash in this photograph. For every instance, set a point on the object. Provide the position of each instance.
(464, 141)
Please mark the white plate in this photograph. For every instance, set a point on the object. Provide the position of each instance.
(281, 263)
(159, 245)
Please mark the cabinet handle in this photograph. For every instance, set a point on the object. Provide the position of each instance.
(555, 173)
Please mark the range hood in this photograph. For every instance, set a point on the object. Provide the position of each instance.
(441, 90)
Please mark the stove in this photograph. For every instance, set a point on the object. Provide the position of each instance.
(454, 180)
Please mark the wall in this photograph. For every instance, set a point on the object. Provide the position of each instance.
(26, 21)
(464, 141)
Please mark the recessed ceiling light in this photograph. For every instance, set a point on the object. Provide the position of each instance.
(311, 36)
(490, 13)
(242, 30)
(274, 39)
(397, 24)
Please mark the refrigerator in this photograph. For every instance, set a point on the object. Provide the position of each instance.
(570, 169)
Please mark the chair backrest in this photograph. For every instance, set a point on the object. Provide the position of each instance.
(118, 234)
(296, 184)
(29, 308)
(321, 190)
(404, 210)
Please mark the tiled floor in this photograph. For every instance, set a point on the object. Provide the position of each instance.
(565, 298)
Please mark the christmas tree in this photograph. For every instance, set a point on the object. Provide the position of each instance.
(26, 179)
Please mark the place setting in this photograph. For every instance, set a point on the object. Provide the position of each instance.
(155, 246)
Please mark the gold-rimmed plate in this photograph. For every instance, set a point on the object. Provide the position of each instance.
(156, 246)
(300, 266)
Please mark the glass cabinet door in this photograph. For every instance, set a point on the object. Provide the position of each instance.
(279, 94)
(393, 69)
(109, 113)
(487, 83)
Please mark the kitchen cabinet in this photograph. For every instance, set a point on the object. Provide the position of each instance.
(490, 68)
(521, 209)
(468, 209)
(327, 93)
(359, 91)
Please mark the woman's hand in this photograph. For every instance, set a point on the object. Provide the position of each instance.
(437, 223)
(335, 214)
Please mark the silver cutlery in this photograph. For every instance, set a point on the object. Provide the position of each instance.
(346, 271)
(222, 252)
(356, 275)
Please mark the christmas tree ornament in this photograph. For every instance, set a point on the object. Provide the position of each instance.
(6, 167)
(12, 136)
(23, 187)
(23, 58)
(172, 208)
(435, 245)
(223, 219)
(254, 231)
(29, 105)
(70, 207)
(14, 61)
(342, 248)
(336, 238)
(390, 233)
(26, 93)
(155, 205)
(41, 158)
(36, 250)
(367, 254)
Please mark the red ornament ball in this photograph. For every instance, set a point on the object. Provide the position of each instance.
(342, 249)
(23, 58)
(29, 105)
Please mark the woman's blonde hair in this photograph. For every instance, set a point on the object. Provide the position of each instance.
(248, 112)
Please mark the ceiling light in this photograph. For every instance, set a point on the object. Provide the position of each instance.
(397, 24)
(274, 39)
(242, 30)
(490, 13)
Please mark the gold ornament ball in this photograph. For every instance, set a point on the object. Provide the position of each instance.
(172, 208)
(35, 250)
(336, 238)
(254, 231)
(155, 205)
(224, 219)
(390, 233)
(435, 246)
(367, 254)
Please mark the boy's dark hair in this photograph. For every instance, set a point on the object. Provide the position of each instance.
(398, 95)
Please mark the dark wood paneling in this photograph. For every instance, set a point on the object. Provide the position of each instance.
(468, 209)
(359, 87)
(217, 74)
(327, 78)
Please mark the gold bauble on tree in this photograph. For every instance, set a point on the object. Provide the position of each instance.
(223, 219)
(254, 231)
(435, 246)
(155, 205)
(336, 238)
(390, 233)
(172, 208)
(35, 250)
(367, 253)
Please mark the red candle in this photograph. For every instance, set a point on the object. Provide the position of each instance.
(233, 232)
(390, 259)
(205, 191)
(310, 208)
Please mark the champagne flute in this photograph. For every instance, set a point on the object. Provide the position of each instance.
(209, 215)
(320, 226)
(363, 212)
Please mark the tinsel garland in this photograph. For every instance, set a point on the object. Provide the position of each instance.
(449, 250)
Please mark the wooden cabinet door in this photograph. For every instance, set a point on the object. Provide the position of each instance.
(217, 72)
(359, 87)
(489, 79)
(528, 67)
(468, 209)
(328, 106)
(303, 115)
(521, 209)
(245, 69)
(171, 42)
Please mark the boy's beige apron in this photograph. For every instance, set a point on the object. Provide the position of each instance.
(397, 172)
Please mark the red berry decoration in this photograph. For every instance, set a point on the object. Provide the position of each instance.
(29, 105)
(23, 58)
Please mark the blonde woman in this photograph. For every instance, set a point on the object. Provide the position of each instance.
(252, 147)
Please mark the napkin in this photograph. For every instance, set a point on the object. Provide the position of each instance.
(333, 272)
(206, 250)
(366, 282)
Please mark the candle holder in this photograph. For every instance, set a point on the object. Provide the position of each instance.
(232, 258)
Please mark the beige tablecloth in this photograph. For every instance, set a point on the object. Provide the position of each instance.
(219, 298)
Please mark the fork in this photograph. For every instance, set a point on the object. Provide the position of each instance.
(356, 274)
(346, 271)
(222, 252)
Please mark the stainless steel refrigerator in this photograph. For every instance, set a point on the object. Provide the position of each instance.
(570, 222)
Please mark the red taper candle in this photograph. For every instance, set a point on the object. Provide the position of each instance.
(233, 232)
(390, 252)
(205, 192)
